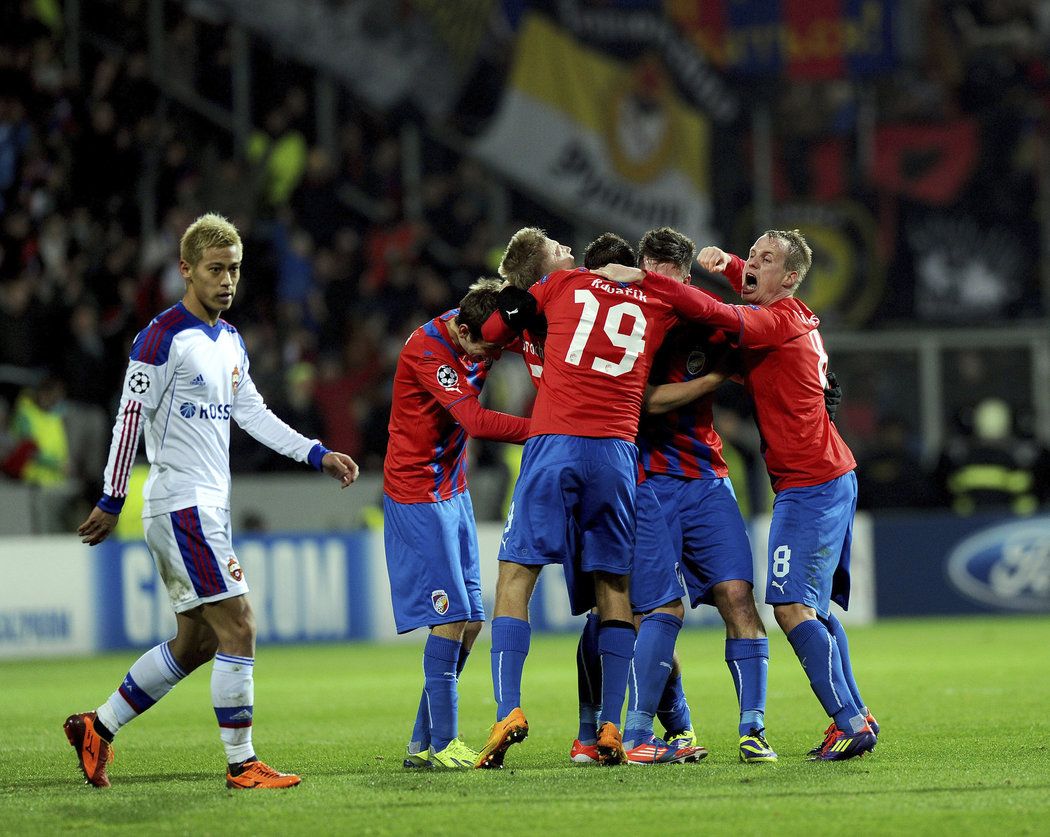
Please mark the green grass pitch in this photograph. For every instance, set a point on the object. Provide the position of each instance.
(964, 750)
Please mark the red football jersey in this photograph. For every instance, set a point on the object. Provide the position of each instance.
(426, 454)
(683, 442)
(530, 348)
(785, 372)
(601, 338)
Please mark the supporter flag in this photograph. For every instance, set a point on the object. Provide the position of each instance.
(608, 140)
(800, 39)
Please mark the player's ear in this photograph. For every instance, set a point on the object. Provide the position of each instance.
(185, 269)
(790, 279)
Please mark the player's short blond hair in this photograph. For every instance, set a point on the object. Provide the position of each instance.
(210, 230)
(523, 260)
(798, 255)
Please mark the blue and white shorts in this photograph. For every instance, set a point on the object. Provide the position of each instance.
(193, 551)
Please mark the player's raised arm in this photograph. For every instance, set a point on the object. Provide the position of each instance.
(713, 259)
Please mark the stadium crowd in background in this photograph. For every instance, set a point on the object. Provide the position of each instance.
(99, 173)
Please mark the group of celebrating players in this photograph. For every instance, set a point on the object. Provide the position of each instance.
(622, 482)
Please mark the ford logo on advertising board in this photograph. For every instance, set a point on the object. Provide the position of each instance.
(1007, 566)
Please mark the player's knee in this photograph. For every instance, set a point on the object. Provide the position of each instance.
(206, 648)
(470, 633)
(609, 583)
(234, 627)
(736, 606)
(456, 631)
(193, 645)
(675, 608)
(789, 616)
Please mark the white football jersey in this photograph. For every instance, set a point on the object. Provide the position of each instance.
(185, 382)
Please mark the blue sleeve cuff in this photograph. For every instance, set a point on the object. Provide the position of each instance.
(111, 505)
(316, 454)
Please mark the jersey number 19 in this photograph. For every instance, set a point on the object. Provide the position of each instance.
(633, 343)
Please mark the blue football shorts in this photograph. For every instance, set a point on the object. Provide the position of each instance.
(656, 578)
(809, 544)
(708, 532)
(574, 504)
(432, 561)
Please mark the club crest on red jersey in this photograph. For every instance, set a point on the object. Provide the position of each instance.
(447, 377)
(439, 598)
(695, 362)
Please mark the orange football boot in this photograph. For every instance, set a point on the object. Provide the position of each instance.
(93, 751)
(510, 730)
(258, 774)
(610, 745)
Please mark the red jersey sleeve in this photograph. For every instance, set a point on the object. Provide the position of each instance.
(490, 424)
(772, 325)
(753, 326)
(693, 303)
(734, 272)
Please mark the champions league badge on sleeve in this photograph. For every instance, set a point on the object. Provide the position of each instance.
(439, 598)
(447, 377)
(138, 382)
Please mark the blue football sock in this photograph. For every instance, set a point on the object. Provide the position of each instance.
(421, 729)
(674, 708)
(616, 644)
(838, 633)
(440, 685)
(653, 653)
(748, 661)
(589, 680)
(510, 647)
(819, 655)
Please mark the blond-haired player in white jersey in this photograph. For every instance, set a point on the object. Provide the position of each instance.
(187, 379)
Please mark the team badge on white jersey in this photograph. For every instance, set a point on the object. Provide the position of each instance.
(439, 598)
(236, 378)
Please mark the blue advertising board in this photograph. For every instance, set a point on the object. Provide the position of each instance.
(943, 564)
(304, 588)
